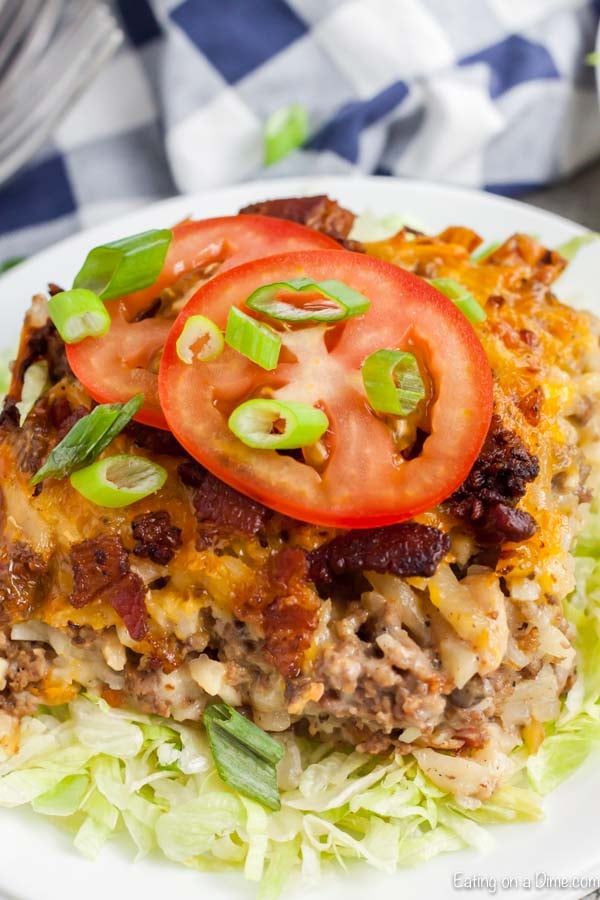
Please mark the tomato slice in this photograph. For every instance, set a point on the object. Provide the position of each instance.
(365, 480)
(125, 361)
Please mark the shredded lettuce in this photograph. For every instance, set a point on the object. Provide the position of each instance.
(368, 227)
(105, 772)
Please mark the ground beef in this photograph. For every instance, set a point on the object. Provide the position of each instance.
(495, 484)
(405, 549)
(101, 572)
(156, 537)
(28, 664)
(319, 212)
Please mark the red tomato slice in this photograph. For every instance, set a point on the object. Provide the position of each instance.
(125, 361)
(365, 481)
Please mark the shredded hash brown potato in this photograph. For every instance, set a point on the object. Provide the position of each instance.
(198, 593)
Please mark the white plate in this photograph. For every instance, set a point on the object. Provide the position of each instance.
(38, 862)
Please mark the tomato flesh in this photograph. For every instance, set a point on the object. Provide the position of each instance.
(365, 481)
(125, 361)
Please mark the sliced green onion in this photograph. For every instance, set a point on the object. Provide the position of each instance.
(285, 131)
(461, 297)
(252, 339)
(342, 301)
(200, 339)
(88, 438)
(119, 480)
(485, 251)
(35, 382)
(78, 314)
(123, 266)
(10, 263)
(245, 756)
(393, 382)
(570, 248)
(275, 425)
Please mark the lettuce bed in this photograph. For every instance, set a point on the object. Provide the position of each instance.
(105, 772)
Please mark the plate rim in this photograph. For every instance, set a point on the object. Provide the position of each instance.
(271, 184)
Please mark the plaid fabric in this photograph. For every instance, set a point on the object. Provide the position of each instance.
(487, 93)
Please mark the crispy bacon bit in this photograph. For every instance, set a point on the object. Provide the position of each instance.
(101, 572)
(319, 212)
(156, 537)
(127, 597)
(502, 470)
(501, 522)
(494, 485)
(154, 439)
(281, 605)
(219, 505)
(22, 580)
(97, 564)
(405, 549)
(40, 343)
(531, 405)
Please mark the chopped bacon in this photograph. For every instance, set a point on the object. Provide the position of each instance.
(154, 439)
(43, 342)
(405, 549)
(531, 405)
(101, 572)
(284, 607)
(22, 580)
(493, 487)
(127, 597)
(156, 537)
(217, 504)
(319, 212)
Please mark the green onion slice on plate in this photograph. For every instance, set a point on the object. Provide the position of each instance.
(78, 314)
(88, 438)
(258, 342)
(245, 756)
(393, 382)
(322, 301)
(200, 339)
(461, 297)
(277, 425)
(120, 480)
(571, 248)
(129, 264)
(285, 131)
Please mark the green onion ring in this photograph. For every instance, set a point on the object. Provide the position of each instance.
(117, 481)
(254, 340)
(344, 301)
(78, 314)
(393, 382)
(124, 266)
(299, 424)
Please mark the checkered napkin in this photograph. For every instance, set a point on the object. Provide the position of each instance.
(491, 93)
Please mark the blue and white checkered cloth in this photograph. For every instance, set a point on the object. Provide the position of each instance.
(486, 93)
